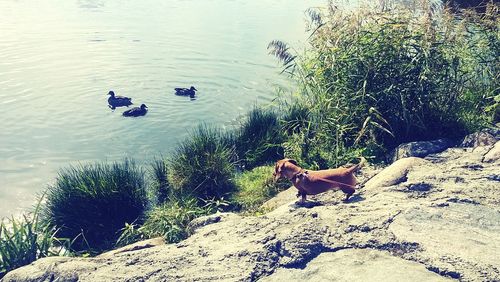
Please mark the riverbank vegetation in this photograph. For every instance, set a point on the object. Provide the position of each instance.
(27, 238)
(367, 81)
(89, 203)
(371, 80)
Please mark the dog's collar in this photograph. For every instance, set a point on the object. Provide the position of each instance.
(302, 171)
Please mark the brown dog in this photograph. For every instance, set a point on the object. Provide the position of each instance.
(310, 182)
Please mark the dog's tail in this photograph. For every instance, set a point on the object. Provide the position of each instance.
(355, 168)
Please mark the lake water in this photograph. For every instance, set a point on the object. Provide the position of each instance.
(59, 59)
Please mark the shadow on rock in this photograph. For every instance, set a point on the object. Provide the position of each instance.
(307, 204)
(355, 199)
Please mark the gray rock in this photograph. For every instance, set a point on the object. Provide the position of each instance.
(431, 219)
(420, 149)
(485, 137)
(493, 154)
(202, 221)
(357, 265)
(467, 228)
(282, 198)
(134, 247)
(394, 174)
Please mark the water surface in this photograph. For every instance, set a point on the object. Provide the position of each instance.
(59, 58)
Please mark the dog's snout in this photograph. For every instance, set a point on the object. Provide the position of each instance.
(276, 176)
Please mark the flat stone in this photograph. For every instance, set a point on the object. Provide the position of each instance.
(357, 265)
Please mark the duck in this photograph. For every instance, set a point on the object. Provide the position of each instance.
(185, 91)
(118, 101)
(136, 111)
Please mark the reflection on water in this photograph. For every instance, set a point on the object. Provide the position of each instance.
(59, 59)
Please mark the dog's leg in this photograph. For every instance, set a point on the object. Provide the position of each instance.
(348, 192)
(301, 194)
(303, 199)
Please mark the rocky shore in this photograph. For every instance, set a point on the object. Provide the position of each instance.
(434, 218)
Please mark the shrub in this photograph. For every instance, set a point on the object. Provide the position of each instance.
(203, 165)
(90, 203)
(171, 219)
(26, 239)
(168, 220)
(371, 80)
(256, 186)
(259, 138)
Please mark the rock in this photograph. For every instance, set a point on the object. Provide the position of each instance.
(485, 137)
(419, 187)
(493, 154)
(202, 221)
(368, 265)
(467, 228)
(134, 247)
(420, 149)
(282, 198)
(431, 219)
(394, 174)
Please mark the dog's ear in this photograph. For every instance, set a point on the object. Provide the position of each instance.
(279, 166)
(293, 162)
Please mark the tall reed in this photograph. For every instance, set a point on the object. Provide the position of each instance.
(372, 79)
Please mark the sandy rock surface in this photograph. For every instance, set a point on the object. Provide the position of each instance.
(432, 219)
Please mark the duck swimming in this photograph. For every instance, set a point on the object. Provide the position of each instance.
(136, 111)
(185, 91)
(118, 101)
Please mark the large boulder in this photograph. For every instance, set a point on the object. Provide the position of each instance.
(419, 149)
(431, 219)
(394, 174)
(485, 137)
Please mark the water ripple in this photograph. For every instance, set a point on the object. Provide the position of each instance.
(59, 59)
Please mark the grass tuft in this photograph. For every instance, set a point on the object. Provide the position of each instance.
(259, 138)
(160, 186)
(256, 187)
(26, 239)
(90, 203)
(169, 220)
(203, 165)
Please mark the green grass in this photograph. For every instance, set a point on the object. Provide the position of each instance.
(26, 239)
(91, 203)
(203, 165)
(258, 138)
(160, 186)
(256, 187)
(169, 220)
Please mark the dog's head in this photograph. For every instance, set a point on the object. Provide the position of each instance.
(280, 167)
